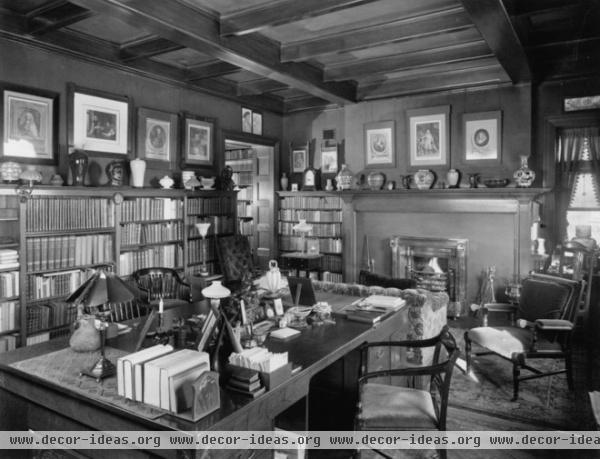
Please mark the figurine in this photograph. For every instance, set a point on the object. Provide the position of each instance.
(114, 170)
(225, 181)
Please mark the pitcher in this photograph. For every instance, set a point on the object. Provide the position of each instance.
(273, 277)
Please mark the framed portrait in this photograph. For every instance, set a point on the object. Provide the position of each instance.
(247, 120)
(428, 136)
(379, 144)
(483, 133)
(198, 140)
(157, 137)
(29, 125)
(329, 159)
(257, 123)
(299, 159)
(99, 122)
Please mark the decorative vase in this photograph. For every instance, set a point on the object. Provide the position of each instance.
(376, 180)
(207, 183)
(78, 162)
(473, 180)
(452, 178)
(10, 171)
(344, 178)
(329, 185)
(284, 182)
(138, 168)
(424, 179)
(166, 182)
(524, 176)
(56, 180)
(273, 278)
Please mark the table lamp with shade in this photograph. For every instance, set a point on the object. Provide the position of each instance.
(95, 296)
(303, 228)
(203, 231)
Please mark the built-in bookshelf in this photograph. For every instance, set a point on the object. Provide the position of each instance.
(56, 238)
(242, 159)
(323, 211)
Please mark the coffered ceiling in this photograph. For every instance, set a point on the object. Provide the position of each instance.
(290, 55)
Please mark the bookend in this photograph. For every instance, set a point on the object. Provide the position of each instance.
(206, 396)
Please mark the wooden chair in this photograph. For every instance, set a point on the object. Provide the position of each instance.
(546, 312)
(409, 398)
(235, 259)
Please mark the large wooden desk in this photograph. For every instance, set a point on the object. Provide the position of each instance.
(29, 402)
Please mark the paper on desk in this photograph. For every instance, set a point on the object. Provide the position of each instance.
(259, 358)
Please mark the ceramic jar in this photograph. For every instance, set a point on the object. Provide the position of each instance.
(424, 179)
(78, 162)
(166, 182)
(452, 178)
(185, 177)
(344, 178)
(376, 180)
(138, 169)
(56, 180)
(284, 182)
(524, 176)
(207, 183)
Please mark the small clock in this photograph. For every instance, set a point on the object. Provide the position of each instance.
(309, 179)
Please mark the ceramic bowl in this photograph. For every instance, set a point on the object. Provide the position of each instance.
(496, 182)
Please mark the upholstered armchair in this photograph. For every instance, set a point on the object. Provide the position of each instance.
(235, 259)
(546, 312)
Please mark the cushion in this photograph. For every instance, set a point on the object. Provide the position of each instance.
(387, 407)
(506, 341)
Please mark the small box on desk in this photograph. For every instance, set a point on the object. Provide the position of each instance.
(268, 380)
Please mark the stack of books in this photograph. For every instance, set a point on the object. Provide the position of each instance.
(9, 258)
(245, 381)
(373, 309)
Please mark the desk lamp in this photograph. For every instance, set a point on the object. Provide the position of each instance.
(303, 228)
(95, 295)
(203, 230)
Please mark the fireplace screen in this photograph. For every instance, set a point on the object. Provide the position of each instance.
(436, 264)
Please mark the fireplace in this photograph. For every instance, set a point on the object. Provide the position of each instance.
(436, 264)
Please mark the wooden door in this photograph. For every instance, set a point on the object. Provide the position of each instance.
(264, 198)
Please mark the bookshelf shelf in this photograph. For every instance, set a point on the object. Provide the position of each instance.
(7, 270)
(129, 247)
(104, 230)
(71, 268)
(165, 220)
(9, 219)
(10, 245)
(9, 298)
(9, 332)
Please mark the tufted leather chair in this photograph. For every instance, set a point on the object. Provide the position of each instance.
(235, 259)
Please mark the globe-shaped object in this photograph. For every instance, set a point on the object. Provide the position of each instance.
(10, 171)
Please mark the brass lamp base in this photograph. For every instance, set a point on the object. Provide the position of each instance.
(103, 368)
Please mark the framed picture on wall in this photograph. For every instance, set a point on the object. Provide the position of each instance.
(428, 136)
(299, 159)
(198, 140)
(329, 158)
(29, 126)
(246, 120)
(157, 137)
(99, 122)
(257, 123)
(482, 137)
(379, 144)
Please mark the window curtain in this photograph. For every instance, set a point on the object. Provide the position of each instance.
(568, 165)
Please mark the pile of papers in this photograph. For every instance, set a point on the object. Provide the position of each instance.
(382, 302)
(259, 359)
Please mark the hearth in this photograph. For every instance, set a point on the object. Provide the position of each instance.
(437, 264)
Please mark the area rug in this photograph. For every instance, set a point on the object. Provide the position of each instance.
(488, 389)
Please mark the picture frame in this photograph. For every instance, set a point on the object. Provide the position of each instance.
(329, 159)
(428, 136)
(482, 138)
(247, 120)
(29, 125)
(299, 160)
(99, 122)
(198, 140)
(379, 144)
(157, 137)
(574, 104)
(256, 123)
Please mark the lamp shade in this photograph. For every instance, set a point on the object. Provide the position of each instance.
(103, 287)
(202, 228)
(216, 290)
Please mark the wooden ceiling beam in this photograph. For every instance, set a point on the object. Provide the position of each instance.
(270, 14)
(261, 86)
(197, 30)
(210, 70)
(55, 15)
(359, 38)
(495, 26)
(432, 83)
(306, 103)
(518, 8)
(477, 49)
(147, 47)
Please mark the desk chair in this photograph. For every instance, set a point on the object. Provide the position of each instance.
(547, 309)
(409, 398)
(235, 259)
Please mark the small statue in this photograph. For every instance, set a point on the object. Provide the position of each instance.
(225, 181)
(115, 170)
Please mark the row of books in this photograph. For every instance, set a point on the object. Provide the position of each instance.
(60, 213)
(38, 317)
(243, 166)
(50, 315)
(219, 224)
(311, 216)
(9, 284)
(9, 258)
(240, 153)
(169, 256)
(332, 263)
(55, 284)
(243, 178)
(295, 244)
(328, 276)
(206, 206)
(151, 209)
(245, 194)
(136, 233)
(8, 342)
(195, 250)
(9, 315)
(38, 338)
(244, 209)
(246, 227)
(310, 202)
(319, 230)
(68, 251)
(160, 376)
